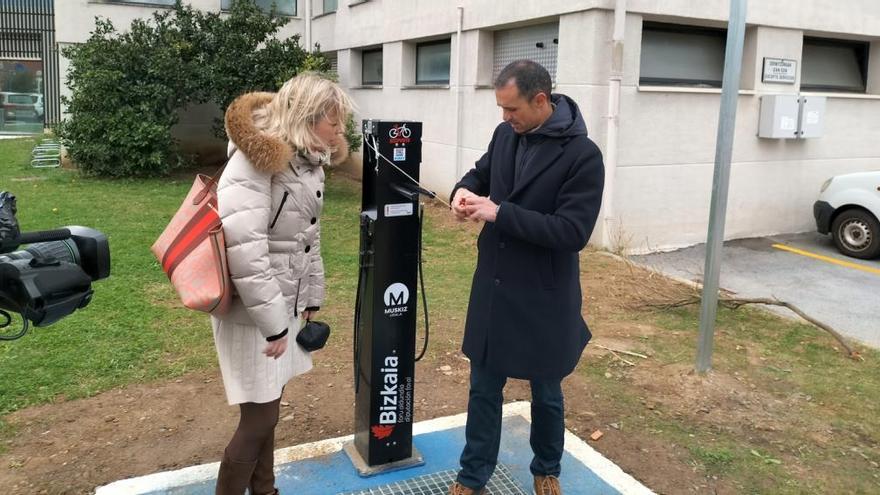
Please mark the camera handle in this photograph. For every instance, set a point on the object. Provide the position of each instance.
(9, 245)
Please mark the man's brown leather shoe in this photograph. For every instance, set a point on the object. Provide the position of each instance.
(547, 485)
(459, 489)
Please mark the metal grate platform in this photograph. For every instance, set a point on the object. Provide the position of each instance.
(502, 483)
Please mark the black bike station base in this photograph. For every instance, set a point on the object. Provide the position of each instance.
(385, 311)
(364, 470)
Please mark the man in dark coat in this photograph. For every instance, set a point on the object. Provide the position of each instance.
(538, 189)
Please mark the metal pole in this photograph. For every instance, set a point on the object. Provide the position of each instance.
(721, 181)
(459, 95)
(610, 235)
(308, 17)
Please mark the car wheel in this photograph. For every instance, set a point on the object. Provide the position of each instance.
(856, 233)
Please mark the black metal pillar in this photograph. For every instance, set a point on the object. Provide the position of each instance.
(384, 352)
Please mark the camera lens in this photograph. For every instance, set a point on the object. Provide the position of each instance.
(59, 250)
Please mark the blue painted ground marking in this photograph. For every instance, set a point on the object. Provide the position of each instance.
(440, 441)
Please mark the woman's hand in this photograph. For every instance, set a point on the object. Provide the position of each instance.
(276, 348)
(308, 314)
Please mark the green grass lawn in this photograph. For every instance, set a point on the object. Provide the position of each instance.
(129, 332)
(826, 395)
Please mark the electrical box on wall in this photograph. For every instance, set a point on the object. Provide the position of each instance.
(779, 117)
(811, 118)
(791, 117)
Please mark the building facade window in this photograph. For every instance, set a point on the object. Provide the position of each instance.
(22, 108)
(537, 43)
(329, 6)
(29, 82)
(674, 55)
(333, 58)
(834, 65)
(283, 7)
(432, 62)
(371, 67)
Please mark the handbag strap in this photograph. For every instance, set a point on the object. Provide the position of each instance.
(211, 181)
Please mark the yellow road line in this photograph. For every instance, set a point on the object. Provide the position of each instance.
(835, 261)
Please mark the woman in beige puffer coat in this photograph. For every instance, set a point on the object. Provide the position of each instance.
(270, 198)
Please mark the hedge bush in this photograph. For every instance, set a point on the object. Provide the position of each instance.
(127, 86)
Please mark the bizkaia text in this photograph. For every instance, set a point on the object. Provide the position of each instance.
(388, 409)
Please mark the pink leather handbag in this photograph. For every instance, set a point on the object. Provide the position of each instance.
(192, 251)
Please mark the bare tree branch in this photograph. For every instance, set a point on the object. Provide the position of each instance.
(628, 353)
(736, 303)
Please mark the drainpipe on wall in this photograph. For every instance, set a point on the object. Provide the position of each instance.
(459, 98)
(308, 14)
(610, 232)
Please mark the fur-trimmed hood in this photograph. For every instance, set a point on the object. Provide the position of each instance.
(266, 153)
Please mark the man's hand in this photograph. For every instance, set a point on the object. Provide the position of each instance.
(480, 208)
(458, 203)
(308, 314)
(276, 348)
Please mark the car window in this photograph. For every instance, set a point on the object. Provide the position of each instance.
(21, 99)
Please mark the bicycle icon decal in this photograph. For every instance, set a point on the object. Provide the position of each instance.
(399, 131)
(399, 134)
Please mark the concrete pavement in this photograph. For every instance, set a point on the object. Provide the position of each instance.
(803, 269)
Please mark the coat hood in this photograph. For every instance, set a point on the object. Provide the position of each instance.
(565, 121)
(265, 152)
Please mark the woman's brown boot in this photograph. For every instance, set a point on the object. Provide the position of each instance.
(234, 476)
(263, 479)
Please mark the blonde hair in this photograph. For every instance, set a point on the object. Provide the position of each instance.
(299, 106)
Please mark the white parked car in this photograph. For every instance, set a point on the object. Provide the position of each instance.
(849, 208)
(38, 105)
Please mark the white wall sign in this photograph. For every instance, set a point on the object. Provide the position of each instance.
(779, 70)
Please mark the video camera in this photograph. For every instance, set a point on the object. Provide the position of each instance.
(53, 276)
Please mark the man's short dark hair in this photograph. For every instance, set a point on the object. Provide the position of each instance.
(531, 78)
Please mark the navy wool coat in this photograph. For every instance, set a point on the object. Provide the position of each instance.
(524, 317)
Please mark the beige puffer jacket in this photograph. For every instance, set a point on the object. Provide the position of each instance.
(270, 199)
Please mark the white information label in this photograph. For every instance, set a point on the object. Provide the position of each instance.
(398, 210)
(779, 70)
(399, 154)
(812, 117)
(787, 124)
